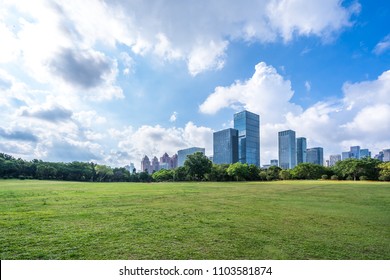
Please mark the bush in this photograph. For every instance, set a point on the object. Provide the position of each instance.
(349, 178)
(324, 177)
(334, 177)
(363, 178)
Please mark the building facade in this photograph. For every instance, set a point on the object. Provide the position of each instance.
(365, 153)
(287, 149)
(182, 154)
(145, 164)
(301, 150)
(225, 146)
(315, 155)
(248, 126)
(333, 159)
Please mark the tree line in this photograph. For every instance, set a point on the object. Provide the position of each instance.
(197, 167)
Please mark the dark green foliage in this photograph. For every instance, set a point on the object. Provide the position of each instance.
(198, 165)
(352, 169)
(285, 175)
(308, 171)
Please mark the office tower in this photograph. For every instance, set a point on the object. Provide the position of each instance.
(182, 154)
(333, 159)
(355, 152)
(145, 164)
(386, 155)
(155, 165)
(173, 162)
(301, 150)
(274, 162)
(364, 153)
(379, 156)
(315, 155)
(345, 155)
(287, 149)
(248, 126)
(225, 146)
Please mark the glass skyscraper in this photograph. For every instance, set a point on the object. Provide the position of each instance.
(301, 150)
(248, 126)
(315, 155)
(225, 146)
(287, 149)
(182, 154)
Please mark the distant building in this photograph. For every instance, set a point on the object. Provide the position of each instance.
(301, 150)
(225, 146)
(333, 159)
(355, 152)
(379, 156)
(145, 165)
(287, 149)
(182, 154)
(345, 155)
(274, 162)
(386, 155)
(155, 165)
(173, 162)
(315, 155)
(248, 126)
(365, 153)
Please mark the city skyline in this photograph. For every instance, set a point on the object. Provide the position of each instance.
(111, 82)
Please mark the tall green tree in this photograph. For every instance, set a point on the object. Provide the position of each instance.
(198, 165)
(239, 171)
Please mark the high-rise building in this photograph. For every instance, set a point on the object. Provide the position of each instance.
(248, 126)
(345, 155)
(274, 162)
(287, 149)
(301, 150)
(365, 153)
(173, 162)
(155, 165)
(386, 155)
(333, 159)
(315, 155)
(182, 154)
(225, 146)
(145, 164)
(355, 152)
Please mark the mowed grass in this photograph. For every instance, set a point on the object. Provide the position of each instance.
(243, 220)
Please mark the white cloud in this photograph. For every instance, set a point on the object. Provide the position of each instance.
(307, 85)
(173, 117)
(266, 93)
(359, 118)
(383, 46)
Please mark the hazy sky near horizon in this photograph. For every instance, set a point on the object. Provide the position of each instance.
(112, 81)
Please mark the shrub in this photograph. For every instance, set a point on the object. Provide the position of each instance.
(334, 177)
(363, 178)
(324, 177)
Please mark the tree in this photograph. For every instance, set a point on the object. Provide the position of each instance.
(284, 174)
(163, 175)
(103, 173)
(355, 168)
(198, 165)
(239, 171)
(308, 171)
(273, 173)
(384, 171)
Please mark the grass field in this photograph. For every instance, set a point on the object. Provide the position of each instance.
(246, 220)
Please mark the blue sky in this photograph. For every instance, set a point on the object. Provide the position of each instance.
(112, 81)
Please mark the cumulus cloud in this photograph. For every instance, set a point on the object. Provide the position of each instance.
(383, 46)
(55, 114)
(173, 117)
(266, 93)
(359, 118)
(18, 135)
(157, 140)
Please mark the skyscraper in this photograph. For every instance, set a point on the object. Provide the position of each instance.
(182, 154)
(248, 126)
(315, 155)
(333, 159)
(355, 152)
(287, 149)
(365, 153)
(301, 150)
(225, 146)
(145, 164)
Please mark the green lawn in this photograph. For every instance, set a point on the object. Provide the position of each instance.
(245, 220)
